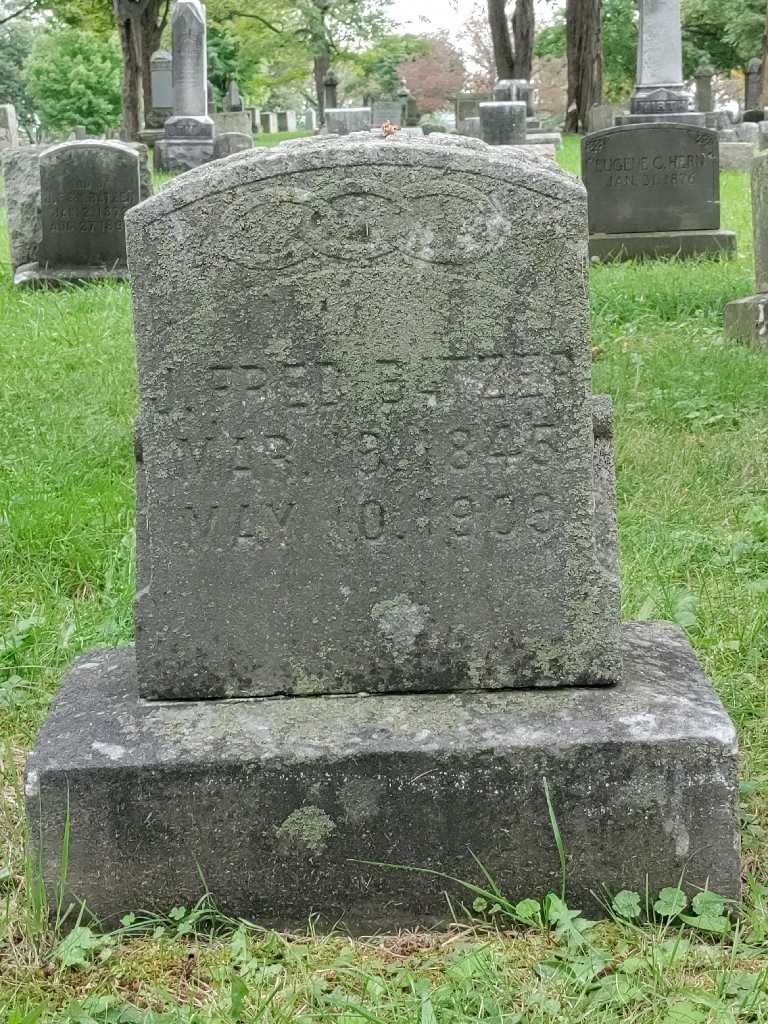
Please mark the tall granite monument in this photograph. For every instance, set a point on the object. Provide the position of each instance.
(654, 190)
(189, 133)
(659, 94)
(335, 497)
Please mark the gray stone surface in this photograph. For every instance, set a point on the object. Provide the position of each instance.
(310, 120)
(654, 244)
(601, 116)
(471, 127)
(233, 101)
(651, 177)
(9, 128)
(190, 59)
(747, 320)
(293, 487)
(86, 188)
(659, 59)
(748, 131)
(544, 139)
(719, 119)
(736, 156)
(21, 172)
(703, 86)
(752, 84)
(273, 806)
(503, 123)
(161, 77)
(386, 110)
(189, 132)
(468, 105)
(233, 121)
(268, 121)
(762, 135)
(231, 142)
(330, 90)
(342, 120)
(760, 219)
(692, 117)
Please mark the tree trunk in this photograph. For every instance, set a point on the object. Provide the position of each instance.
(321, 67)
(523, 30)
(502, 44)
(583, 24)
(130, 43)
(764, 66)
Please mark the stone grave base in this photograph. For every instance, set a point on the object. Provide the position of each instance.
(688, 117)
(182, 154)
(151, 136)
(652, 244)
(543, 139)
(747, 319)
(274, 805)
(32, 275)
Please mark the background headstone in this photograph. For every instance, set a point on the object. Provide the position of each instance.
(703, 80)
(161, 76)
(86, 188)
(386, 110)
(232, 121)
(9, 128)
(601, 116)
(746, 319)
(231, 142)
(468, 105)
(189, 131)
(268, 121)
(503, 123)
(233, 101)
(21, 171)
(652, 177)
(752, 84)
(286, 120)
(343, 120)
(310, 120)
(330, 90)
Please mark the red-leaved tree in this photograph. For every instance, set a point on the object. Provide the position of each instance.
(436, 77)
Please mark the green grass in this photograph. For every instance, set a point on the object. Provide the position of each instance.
(692, 466)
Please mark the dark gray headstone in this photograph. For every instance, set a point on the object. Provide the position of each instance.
(332, 500)
(86, 188)
(231, 142)
(330, 90)
(503, 123)
(233, 100)
(652, 177)
(386, 110)
(703, 80)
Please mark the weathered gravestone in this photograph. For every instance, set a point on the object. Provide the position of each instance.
(703, 82)
(85, 190)
(9, 128)
(342, 120)
(189, 132)
(161, 77)
(268, 121)
(233, 101)
(468, 106)
(286, 121)
(747, 319)
(654, 190)
(502, 123)
(239, 121)
(231, 142)
(387, 110)
(336, 495)
(752, 89)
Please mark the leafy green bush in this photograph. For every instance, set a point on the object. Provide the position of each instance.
(73, 78)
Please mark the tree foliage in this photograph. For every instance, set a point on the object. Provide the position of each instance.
(73, 77)
(377, 68)
(16, 38)
(435, 77)
(619, 46)
(724, 33)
